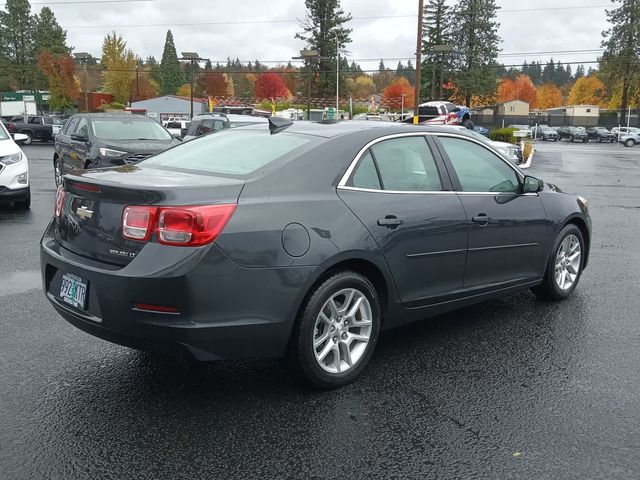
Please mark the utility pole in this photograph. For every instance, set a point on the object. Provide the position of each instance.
(418, 62)
(193, 57)
(84, 58)
(307, 56)
(337, 77)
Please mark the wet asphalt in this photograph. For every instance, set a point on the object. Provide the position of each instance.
(514, 388)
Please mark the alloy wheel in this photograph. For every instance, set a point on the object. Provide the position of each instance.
(342, 331)
(568, 261)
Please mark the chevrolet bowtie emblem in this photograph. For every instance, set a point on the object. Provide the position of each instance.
(84, 213)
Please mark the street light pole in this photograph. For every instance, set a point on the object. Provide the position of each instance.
(307, 56)
(84, 58)
(193, 57)
(418, 63)
(337, 77)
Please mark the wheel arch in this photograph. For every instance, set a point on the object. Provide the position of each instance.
(582, 225)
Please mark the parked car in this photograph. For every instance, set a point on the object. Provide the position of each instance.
(600, 134)
(35, 127)
(216, 122)
(91, 140)
(512, 152)
(630, 139)
(521, 128)
(546, 133)
(573, 134)
(481, 130)
(14, 171)
(437, 113)
(178, 128)
(332, 231)
(623, 130)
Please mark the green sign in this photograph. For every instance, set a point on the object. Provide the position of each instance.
(331, 113)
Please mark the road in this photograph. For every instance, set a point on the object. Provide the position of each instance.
(511, 388)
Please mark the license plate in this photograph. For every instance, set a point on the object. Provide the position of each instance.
(73, 290)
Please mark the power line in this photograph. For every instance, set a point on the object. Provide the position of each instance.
(76, 2)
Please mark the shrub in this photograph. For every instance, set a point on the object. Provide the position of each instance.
(503, 135)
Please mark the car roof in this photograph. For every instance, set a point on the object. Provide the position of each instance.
(336, 129)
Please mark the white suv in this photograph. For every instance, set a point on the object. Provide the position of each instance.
(14, 171)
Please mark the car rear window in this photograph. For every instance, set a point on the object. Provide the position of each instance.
(231, 152)
(433, 111)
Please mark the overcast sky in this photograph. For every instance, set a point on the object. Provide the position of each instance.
(556, 25)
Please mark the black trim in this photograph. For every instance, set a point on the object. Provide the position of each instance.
(443, 252)
(501, 247)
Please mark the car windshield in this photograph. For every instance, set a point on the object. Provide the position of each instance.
(232, 152)
(51, 121)
(128, 129)
(3, 133)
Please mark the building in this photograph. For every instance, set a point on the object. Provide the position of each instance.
(162, 108)
(513, 108)
(576, 115)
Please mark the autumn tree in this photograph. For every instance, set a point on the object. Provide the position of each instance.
(548, 96)
(48, 36)
(171, 75)
(394, 93)
(521, 88)
(475, 37)
(361, 87)
(323, 25)
(145, 88)
(271, 85)
(59, 70)
(383, 77)
(587, 91)
(120, 64)
(246, 86)
(213, 83)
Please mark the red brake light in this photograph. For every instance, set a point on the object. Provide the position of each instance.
(11, 128)
(87, 187)
(179, 226)
(60, 193)
(138, 222)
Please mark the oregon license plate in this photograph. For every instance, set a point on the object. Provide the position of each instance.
(73, 290)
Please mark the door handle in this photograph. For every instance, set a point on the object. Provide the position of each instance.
(390, 221)
(481, 219)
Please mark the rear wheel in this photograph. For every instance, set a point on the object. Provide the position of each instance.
(337, 331)
(564, 267)
(629, 143)
(29, 139)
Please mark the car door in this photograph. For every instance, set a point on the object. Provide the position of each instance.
(402, 194)
(80, 148)
(35, 125)
(508, 230)
(65, 146)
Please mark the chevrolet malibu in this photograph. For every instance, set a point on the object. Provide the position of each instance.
(303, 241)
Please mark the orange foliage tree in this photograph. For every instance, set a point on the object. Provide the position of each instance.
(549, 96)
(393, 93)
(522, 88)
(59, 70)
(271, 85)
(213, 83)
(587, 91)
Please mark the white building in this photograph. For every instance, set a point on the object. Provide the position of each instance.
(162, 108)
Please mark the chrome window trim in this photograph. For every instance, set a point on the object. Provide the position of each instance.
(342, 184)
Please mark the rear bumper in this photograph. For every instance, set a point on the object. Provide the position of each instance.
(225, 311)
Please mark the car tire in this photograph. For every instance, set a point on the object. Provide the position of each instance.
(25, 203)
(558, 283)
(338, 325)
(629, 143)
(57, 171)
(571, 138)
(599, 139)
(29, 139)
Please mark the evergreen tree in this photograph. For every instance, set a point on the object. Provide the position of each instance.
(549, 72)
(323, 24)
(437, 31)
(171, 76)
(579, 72)
(17, 43)
(154, 70)
(49, 35)
(621, 59)
(476, 38)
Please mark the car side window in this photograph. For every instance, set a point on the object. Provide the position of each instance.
(406, 164)
(478, 169)
(366, 175)
(35, 120)
(71, 126)
(82, 127)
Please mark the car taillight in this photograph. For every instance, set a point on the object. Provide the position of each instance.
(60, 193)
(138, 222)
(11, 128)
(179, 226)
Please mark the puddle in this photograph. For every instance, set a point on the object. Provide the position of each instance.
(19, 282)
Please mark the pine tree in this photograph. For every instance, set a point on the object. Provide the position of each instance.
(579, 72)
(549, 72)
(171, 76)
(477, 41)
(154, 69)
(323, 24)
(621, 59)
(49, 36)
(17, 43)
(437, 31)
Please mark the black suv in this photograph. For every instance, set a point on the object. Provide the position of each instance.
(573, 134)
(35, 127)
(600, 134)
(91, 140)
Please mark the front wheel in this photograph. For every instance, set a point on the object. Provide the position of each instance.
(336, 334)
(629, 143)
(564, 267)
(28, 140)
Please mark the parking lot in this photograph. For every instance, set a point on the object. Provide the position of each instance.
(511, 388)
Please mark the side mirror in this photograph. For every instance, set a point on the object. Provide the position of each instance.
(532, 184)
(78, 137)
(19, 137)
(183, 132)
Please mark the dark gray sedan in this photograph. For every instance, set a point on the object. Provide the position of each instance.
(303, 241)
